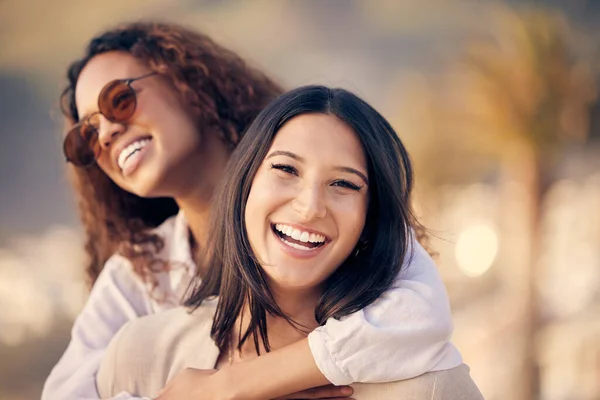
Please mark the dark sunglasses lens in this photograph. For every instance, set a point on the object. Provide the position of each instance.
(117, 101)
(81, 145)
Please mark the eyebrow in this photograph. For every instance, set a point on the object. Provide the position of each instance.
(300, 159)
(285, 153)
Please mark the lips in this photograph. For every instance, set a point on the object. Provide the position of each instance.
(127, 152)
(299, 238)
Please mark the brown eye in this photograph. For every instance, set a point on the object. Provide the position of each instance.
(87, 132)
(285, 168)
(90, 126)
(346, 185)
(81, 145)
(117, 101)
(122, 102)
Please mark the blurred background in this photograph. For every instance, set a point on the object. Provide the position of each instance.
(497, 102)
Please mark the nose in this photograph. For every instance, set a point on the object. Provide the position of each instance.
(309, 203)
(108, 131)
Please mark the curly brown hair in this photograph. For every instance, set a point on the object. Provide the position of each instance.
(223, 93)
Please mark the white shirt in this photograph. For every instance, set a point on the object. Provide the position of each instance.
(408, 327)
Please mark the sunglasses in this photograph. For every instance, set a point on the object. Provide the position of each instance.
(117, 103)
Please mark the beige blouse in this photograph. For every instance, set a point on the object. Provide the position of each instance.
(148, 352)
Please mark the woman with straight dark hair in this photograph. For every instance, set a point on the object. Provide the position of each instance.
(313, 223)
(153, 112)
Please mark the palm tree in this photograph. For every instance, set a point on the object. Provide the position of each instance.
(521, 96)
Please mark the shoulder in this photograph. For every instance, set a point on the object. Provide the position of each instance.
(118, 275)
(167, 231)
(146, 332)
(418, 265)
(148, 351)
(167, 227)
(419, 276)
(117, 292)
(451, 384)
(117, 270)
(166, 324)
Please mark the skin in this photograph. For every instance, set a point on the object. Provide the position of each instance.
(315, 194)
(314, 179)
(179, 162)
(185, 164)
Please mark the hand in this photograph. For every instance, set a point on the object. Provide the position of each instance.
(322, 392)
(189, 384)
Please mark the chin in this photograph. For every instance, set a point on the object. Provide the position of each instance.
(145, 193)
(294, 283)
(148, 184)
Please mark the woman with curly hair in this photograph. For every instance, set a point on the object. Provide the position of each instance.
(154, 111)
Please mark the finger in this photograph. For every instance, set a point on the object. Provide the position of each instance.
(322, 392)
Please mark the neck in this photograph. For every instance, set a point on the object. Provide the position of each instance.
(299, 305)
(197, 212)
(194, 195)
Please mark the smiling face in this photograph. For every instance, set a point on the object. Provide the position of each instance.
(308, 203)
(158, 151)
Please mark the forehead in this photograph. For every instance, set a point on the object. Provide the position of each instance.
(100, 70)
(323, 137)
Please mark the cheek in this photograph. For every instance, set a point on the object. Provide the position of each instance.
(351, 215)
(176, 128)
(266, 197)
(257, 209)
(251, 215)
(269, 192)
(106, 166)
(166, 117)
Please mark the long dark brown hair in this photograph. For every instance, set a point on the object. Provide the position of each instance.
(222, 92)
(233, 271)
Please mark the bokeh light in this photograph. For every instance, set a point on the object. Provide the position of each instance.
(476, 249)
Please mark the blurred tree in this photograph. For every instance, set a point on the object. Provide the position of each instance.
(521, 97)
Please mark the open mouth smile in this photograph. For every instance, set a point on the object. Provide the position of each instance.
(299, 239)
(131, 152)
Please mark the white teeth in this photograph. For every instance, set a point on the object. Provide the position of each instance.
(130, 150)
(299, 235)
(304, 237)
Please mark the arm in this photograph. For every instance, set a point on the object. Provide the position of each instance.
(405, 333)
(117, 297)
(278, 373)
(450, 384)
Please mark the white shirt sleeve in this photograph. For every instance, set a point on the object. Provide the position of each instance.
(118, 296)
(403, 334)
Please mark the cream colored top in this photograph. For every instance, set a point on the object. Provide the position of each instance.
(148, 352)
